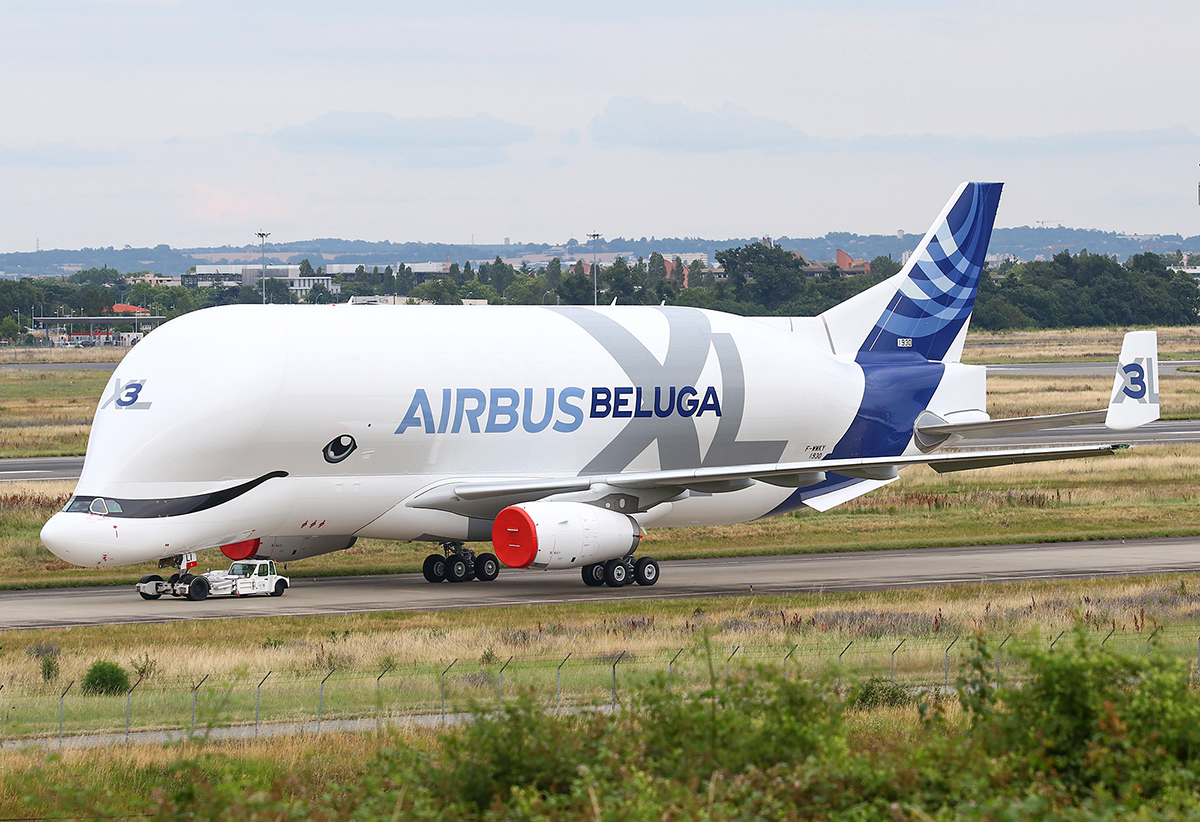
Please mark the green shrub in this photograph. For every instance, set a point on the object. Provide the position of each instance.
(1099, 721)
(523, 745)
(49, 668)
(878, 692)
(104, 677)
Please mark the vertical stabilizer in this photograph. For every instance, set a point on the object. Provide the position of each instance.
(1134, 398)
(926, 307)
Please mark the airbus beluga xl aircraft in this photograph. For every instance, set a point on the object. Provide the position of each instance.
(559, 433)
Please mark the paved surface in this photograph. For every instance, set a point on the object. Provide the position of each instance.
(241, 732)
(865, 570)
(40, 468)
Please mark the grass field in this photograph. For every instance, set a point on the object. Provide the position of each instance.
(1073, 345)
(856, 633)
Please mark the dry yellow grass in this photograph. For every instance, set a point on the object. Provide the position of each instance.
(1015, 396)
(244, 649)
(109, 353)
(1073, 344)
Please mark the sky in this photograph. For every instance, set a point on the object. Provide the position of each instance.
(142, 122)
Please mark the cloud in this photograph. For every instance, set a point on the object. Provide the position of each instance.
(1088, 142)
(62, 155)
(677, 129)
(673, 127)
(420, 141)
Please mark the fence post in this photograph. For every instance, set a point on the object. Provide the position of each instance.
(321, 698)
(558, 682)
(1006, 639)
(1056, 639)
(786, 658)
(1156, 630)
(448, 667)
(61, 697)
(614, 679)
(731, 656)
(671, 666)
(948, 647)
(897, 648)
(128, 698)
(194, 690)
(500, 685)
(847, 648)
(378, 703)
(257, 702)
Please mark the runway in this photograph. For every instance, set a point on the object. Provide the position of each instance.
(809, 573)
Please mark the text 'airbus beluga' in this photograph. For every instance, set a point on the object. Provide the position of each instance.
(559, 433)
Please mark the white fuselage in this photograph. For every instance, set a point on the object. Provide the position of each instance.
(222, 397)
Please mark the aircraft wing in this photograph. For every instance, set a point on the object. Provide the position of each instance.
(478, 497)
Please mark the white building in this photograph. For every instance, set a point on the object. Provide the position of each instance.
(227, 274)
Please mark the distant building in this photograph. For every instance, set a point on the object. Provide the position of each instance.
(849, 265)
(238, 274)
(125, 308)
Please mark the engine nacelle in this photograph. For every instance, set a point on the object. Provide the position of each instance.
(553, 535)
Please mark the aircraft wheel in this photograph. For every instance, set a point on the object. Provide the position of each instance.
(616, 573)
(150, 578)
(171, 580)
(434, 568)
(198, 589)
(457, 569)
(646, 571)
(593, 575)
(487, 567)
(280, 587)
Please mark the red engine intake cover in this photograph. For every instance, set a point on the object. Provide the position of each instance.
(241, 550)
(514, 537)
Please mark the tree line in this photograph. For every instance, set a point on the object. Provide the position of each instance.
(1070, 290)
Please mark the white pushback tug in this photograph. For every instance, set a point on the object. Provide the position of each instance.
(244, 578)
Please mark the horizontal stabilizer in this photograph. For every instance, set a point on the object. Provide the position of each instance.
(932, 430)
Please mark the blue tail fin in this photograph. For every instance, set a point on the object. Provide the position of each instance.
(925, 308)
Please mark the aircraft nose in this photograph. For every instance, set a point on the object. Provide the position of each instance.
(72, 538)
(58, 535)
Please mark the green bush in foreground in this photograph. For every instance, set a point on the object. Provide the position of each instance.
(104, 677)
(1087, 735)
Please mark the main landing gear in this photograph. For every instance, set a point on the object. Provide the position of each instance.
(619, 572)
(457, 563)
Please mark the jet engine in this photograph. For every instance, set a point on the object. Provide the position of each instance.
(553, 535)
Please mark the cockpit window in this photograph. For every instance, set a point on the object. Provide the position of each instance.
(78, 505)
(174, 507)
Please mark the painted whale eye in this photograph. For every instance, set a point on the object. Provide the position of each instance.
(339, 448)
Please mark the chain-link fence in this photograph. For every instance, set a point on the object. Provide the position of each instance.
(40, 710)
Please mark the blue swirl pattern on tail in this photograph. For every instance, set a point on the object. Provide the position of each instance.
(933, 303)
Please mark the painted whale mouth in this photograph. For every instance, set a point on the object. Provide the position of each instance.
(156, 508)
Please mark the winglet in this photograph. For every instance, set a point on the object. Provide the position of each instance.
(1134, 398)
